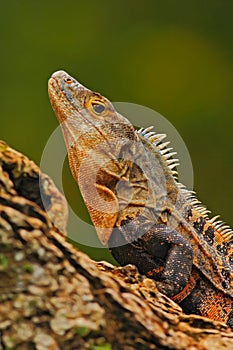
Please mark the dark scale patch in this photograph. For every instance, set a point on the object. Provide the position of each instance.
(226, 274)
(230, 319)
(231, 259)
(209, 235)
(199, 225)
(224, 285)
(223, 248)
(189, 213)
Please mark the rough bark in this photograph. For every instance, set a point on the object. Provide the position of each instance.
(55, 297)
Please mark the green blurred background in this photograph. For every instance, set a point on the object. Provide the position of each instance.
(172, 56)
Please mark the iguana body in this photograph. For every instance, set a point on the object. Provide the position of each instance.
(137, 205)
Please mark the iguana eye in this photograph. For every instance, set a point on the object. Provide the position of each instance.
(98, 108)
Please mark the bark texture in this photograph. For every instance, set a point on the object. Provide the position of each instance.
(53, 296)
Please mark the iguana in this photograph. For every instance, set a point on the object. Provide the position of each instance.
(129, 183)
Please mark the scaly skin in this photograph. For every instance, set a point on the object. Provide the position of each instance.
(138, 207)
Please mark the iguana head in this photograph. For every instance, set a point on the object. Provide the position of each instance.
(71, 100)
(94, 134)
